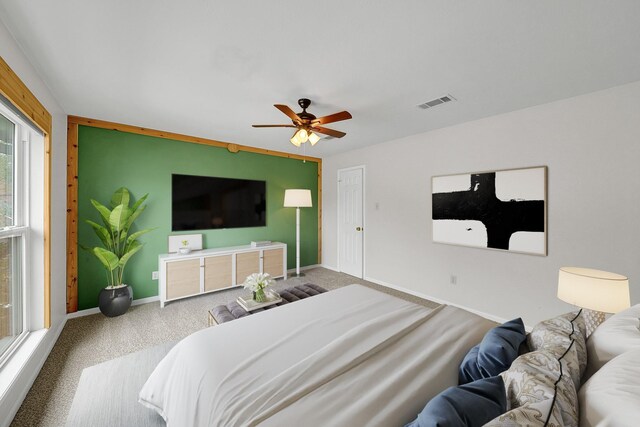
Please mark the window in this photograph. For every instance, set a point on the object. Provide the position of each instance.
(16, 311)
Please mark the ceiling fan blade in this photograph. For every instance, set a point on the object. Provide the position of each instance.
(337, 117)
(327, 131)
(289, 112)
(274, 126)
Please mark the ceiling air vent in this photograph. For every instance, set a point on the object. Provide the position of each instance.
(437, 101)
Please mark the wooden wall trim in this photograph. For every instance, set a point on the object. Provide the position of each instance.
(72, 184)
(185, 138)
(72, 217)
(47, 230)
(17, 92)
(320, 212)
(12, 88)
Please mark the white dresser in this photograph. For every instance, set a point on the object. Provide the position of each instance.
(210, 270)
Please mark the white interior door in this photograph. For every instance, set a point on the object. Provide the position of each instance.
(351, 221)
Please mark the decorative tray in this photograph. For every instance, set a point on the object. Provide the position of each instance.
(247, 302)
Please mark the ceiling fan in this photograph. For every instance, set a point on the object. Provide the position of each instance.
(308, 125)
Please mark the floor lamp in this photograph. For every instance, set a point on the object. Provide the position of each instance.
(297, 198)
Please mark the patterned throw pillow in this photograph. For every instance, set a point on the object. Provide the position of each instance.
(530, 381)
(529, 414)
(555, 336)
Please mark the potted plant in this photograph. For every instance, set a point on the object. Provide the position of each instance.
(118, 248)
(185, 249)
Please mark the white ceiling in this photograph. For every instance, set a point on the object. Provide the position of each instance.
(213, 68)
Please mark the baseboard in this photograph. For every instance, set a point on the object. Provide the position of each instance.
(306, 267)
(437, 300)
(330, 268)
(146, 300)
(6, 421)
(96, 310)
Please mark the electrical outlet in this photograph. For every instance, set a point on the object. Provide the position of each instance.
(154, 275)
(453, 279)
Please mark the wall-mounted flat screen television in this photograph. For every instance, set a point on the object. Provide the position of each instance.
(204, 202)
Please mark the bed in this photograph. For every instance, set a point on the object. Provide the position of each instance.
(352, 356)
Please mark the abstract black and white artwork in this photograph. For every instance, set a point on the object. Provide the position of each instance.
(503, 210)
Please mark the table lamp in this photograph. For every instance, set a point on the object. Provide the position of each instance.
(297, 198)
(597, 291)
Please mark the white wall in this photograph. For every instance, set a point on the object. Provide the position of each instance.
(11, 397)
(591, 145)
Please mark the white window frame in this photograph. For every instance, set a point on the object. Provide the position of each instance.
(21, 227)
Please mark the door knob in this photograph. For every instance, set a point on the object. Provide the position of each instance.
(358, 228)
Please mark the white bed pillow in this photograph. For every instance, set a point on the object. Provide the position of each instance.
(612, 396)
(616, 335)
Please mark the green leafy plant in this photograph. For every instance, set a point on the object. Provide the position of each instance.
(119, 245)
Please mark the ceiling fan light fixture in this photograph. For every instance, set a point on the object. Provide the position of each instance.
(303, 135)
(313, 138)
(295, 140)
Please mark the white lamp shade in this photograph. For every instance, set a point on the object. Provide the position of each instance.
(295, 141)
(313, 138)
(297, 198)
(303, 135)
(594, 289)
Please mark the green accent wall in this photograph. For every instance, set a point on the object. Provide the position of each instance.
(109, 159)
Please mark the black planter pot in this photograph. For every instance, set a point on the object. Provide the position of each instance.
(115, 302)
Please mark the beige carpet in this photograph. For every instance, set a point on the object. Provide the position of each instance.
(90, 340)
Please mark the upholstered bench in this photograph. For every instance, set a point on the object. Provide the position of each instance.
(233, 310)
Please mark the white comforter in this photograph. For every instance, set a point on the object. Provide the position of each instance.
(349, 357)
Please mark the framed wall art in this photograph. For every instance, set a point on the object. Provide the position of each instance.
(503, 210)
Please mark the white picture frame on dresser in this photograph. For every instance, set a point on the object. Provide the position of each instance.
(210, 270)
(175, 242)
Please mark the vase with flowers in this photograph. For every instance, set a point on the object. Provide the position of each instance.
(257, 283)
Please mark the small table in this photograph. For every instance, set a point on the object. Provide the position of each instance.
(233, 310)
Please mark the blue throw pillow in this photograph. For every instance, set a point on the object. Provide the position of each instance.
(498, 349)
(473, 404)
